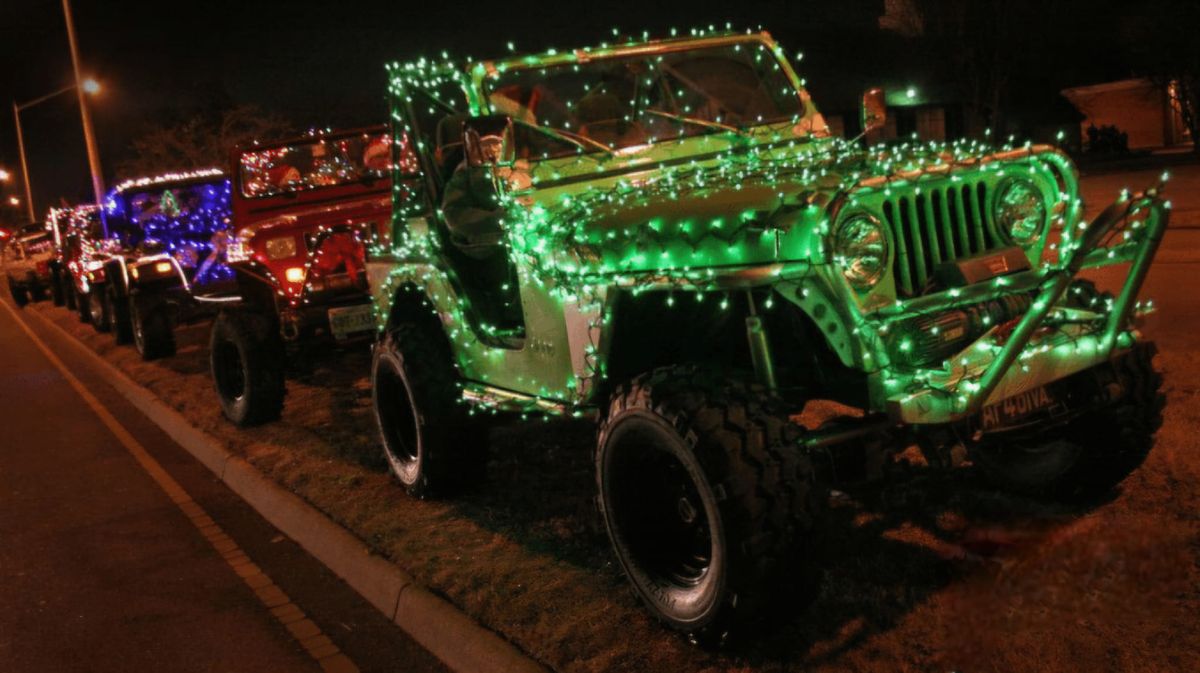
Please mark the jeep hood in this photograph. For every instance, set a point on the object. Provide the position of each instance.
(682, 221)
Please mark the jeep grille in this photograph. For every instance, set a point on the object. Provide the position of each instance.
(940, 223)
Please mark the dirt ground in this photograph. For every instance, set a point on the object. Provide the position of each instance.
(931, 572)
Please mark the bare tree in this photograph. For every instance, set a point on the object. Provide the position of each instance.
(200, 141)
(979, 43)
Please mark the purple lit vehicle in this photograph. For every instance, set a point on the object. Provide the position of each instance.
(166, 236)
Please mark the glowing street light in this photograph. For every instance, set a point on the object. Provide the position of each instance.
(14, 201)
(89, 86)
(82, 87)
(4, 175)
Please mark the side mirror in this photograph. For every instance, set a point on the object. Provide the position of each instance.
(874, 110)
(488, 141)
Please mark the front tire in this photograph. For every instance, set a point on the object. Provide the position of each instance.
(83, 306)
(118, 315)
(37, 292)
(153, 335)
(430, 443)
(706, 498)
(1091, 455)
(70, 300)
(98, 309)
(19, 295)
(246, 360)
(56, 285)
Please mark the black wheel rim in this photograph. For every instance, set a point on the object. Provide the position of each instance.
(657, 511)
(228, 371)
(397, 420)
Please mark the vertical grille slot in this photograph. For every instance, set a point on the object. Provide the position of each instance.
(943, 222)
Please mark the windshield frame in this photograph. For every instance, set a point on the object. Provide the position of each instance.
(485, 73)
(238, 184)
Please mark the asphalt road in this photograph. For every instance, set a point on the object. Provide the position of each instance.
(102, 568)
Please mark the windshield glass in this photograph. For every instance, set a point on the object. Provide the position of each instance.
(313, 164)
(171, 204)
(632, 101)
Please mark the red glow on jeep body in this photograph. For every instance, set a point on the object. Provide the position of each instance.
(305, 209)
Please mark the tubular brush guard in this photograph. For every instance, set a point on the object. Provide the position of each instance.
(1128, 231)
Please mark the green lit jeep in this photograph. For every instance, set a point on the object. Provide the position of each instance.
(664, 236)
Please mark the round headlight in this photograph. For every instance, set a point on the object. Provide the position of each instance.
(1020, 210)
(860, 247)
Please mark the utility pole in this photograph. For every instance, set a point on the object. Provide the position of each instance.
(24, 165)
(88, 136)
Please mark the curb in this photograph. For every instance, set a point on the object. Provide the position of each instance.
(436, 624)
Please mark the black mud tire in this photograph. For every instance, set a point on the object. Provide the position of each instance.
(118, 315)
(246, 360)
(153, 331)
(712, 465)
(56, 286)
(430, 441)
(70, 299)
(1091, 455)
(19, 296)
(98, 309)
(83, 303)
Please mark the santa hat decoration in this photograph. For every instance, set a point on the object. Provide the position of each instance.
(377, 155)
(282, 176)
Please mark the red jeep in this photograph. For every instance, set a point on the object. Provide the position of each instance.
(304, 212)
(82, 249)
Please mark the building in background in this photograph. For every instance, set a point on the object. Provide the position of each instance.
(1139, 108)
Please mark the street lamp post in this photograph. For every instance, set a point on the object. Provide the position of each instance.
(17, 107)
(82, 87)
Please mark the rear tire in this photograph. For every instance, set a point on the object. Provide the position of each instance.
(56, 285)
(68, 290)
(153, 334)
(1092, 454)
(247, 361)
(98, 309)
(19, 296)
(118, 315)
(431, 444)
(707, 500)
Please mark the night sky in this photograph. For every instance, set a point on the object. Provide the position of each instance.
(321, 64)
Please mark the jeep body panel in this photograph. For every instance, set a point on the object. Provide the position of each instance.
(26, 258)
(304, 242)
(720, 215)
(167, 230)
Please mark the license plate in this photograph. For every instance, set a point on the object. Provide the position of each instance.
(1011, 411)
(351, 319)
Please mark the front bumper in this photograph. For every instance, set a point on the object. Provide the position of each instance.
(312, 320)
(1052, 340)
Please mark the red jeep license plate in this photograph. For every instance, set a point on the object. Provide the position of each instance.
(1011, 411)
